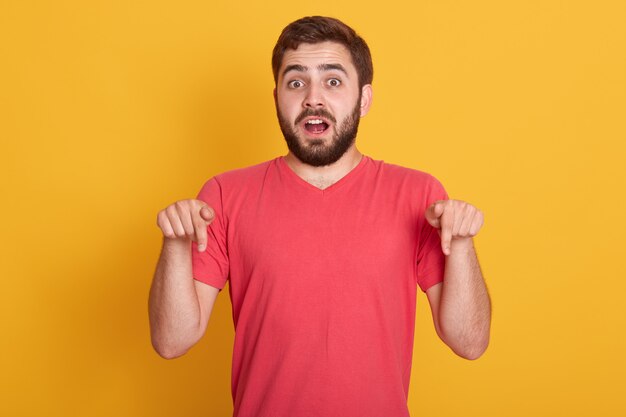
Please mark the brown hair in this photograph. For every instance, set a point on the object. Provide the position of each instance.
(315, 29)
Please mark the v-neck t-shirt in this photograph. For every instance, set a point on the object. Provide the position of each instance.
(322, 284)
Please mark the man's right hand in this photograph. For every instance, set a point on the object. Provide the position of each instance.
(186, 219)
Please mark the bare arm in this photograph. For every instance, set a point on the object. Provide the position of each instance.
(179, 306)
(460, 305)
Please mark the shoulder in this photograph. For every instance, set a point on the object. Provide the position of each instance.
(234, 181)
(245, 175)
(408, 176)
(412, 183)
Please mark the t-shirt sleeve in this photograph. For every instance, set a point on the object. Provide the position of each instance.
(430, 258)
(211, 266)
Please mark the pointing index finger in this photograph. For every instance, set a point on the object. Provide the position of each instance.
(201, 230)
(447, 222)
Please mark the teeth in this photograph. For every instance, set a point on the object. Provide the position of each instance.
(314, 122)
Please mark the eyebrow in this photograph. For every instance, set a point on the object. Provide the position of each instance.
(321, 67)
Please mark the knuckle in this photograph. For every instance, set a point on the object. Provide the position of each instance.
(171, 210)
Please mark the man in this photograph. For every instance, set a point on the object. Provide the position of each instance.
(324, 249)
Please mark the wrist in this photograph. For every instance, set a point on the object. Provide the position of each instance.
(461, 244)
(176, 244)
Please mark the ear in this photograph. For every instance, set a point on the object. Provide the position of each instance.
(366, 99)
(275, 97)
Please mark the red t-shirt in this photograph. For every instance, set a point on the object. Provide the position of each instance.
(323, 285)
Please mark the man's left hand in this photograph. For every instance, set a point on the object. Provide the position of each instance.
(454, 219)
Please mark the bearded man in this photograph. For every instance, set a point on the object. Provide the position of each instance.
(324, 249)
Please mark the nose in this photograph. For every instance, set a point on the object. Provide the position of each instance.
(314, 97)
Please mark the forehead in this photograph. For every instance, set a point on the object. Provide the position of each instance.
(313, 54)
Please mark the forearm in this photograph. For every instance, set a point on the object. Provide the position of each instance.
(465, 310)
(174, 308)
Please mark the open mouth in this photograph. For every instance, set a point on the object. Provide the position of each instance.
(315, 126)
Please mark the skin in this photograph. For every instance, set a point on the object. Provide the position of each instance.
(179, 307)
(460, 305)
(315, 88)
(313, 77)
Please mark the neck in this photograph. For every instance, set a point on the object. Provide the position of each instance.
(324, 177)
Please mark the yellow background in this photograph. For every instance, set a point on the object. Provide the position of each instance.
(112, 110)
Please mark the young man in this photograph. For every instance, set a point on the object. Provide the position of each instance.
(324, 249)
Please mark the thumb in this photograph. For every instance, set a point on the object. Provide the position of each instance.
(207, 214)
(433, 213)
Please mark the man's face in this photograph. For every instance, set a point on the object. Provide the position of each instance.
(319, 102)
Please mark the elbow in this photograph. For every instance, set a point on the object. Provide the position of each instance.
(170, 344)
(169, 353)
(472, 354)
(472, 350)
(168, 350)
(470, 347)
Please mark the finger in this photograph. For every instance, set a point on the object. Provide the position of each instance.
(184, 213)
(429, 214)
(477, 223)
(201, 234)
(433, 213)
(207, 214)
(467, 221)
(164, 224)
(459, 213)
(177, 226)
(447, 222)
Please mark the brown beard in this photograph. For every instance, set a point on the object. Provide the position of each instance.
(316, 153)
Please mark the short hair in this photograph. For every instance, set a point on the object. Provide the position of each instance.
(316, 29)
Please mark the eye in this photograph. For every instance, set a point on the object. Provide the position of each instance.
(334, 82)
(295, 84)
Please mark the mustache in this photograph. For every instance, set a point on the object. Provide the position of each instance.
(319, 113)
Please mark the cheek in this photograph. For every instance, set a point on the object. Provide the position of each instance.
(343, 103)
(288, 109)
